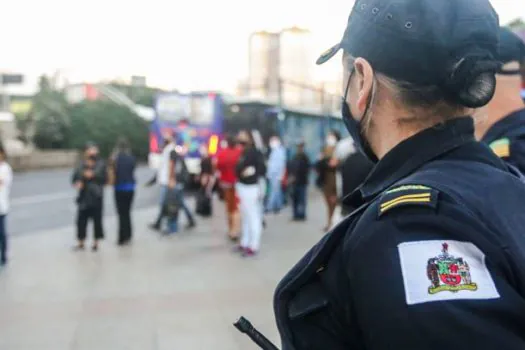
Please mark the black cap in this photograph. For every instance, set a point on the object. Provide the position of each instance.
(511, 49)
(434, 42)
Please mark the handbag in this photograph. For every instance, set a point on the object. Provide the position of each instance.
(171, 204)
(203, 204)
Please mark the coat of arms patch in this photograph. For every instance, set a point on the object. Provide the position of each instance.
(449, 273)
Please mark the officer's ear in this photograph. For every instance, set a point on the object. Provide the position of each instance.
(364, 80)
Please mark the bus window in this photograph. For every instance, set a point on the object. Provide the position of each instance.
(202, 110)
(172, 108)
(196, 109)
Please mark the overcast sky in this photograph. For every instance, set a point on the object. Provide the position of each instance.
(191, 44)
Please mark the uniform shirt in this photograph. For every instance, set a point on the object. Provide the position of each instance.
(507, 139)
(433, 258)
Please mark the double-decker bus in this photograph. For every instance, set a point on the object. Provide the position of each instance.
(204, 118)
(197, 120)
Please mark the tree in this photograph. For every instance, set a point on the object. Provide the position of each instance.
(141, 95)
(516, 24)
(104, 122)
(50, 116)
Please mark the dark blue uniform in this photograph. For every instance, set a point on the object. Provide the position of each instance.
(433, 258)
(507, 139)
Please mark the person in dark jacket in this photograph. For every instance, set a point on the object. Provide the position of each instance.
(90, 178)
(299, 175)
(503, 128)
(434, 256)
(250, 172)
(354, 170)
(123, 165)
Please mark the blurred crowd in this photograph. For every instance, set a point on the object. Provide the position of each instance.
(254, 180)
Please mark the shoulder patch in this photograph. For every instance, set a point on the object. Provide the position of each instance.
(501, 147)
(417, 195)
(444, 270)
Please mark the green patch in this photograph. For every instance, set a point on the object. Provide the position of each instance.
(501, 142)
(407, 187)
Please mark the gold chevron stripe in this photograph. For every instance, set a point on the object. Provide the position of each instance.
(414, 200)
(407, 196)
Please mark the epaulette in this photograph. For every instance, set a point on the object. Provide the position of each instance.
(414, 195)
(501, 147)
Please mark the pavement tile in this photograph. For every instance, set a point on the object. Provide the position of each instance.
(178, 292)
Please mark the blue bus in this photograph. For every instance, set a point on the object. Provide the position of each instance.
(202, 119)
(197, 120)
(291, 124)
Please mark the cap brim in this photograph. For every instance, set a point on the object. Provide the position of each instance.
(328, 54)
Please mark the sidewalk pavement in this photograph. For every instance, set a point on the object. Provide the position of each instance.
(160, 293)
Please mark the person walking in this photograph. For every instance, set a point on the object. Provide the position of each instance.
(207, 182)
(250, 169)
(89, 178)
(169, 176)
(226, 162)
(6, 180)
(298, 179)
(275, 174)
(122, 166)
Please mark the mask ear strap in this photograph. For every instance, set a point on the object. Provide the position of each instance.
(348, 84)
(509, 72)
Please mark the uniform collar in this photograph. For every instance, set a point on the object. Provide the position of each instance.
(412, 153)
(505, 124)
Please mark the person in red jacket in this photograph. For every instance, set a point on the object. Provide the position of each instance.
(226, 161)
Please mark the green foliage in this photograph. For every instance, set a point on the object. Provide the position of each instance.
(50, 114)
(59, 125)
(141, 95)
(51, 132)
(104, 122)
(23, 124)
(518, 23)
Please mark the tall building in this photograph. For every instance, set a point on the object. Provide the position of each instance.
(263, 78)
(296, 64)
(285, 56)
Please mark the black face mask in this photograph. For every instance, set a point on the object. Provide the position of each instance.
(355, 128)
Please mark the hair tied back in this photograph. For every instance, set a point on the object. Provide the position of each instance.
(472, 82)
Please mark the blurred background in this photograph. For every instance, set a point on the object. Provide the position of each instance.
(68, 63)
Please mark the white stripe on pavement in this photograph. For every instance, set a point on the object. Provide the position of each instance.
(37, 199)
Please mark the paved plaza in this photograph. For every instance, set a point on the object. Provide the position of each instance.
(161, 293)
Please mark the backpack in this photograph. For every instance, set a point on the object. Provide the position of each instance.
(181, 171)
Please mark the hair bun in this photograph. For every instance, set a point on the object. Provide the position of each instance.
(472, 82)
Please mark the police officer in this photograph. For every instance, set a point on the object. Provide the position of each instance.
(503, 129)
(434, 257)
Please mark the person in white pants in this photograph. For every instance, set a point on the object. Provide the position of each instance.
(251, 214)
(250, 170)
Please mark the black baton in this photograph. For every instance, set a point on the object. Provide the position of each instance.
(244, 326)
